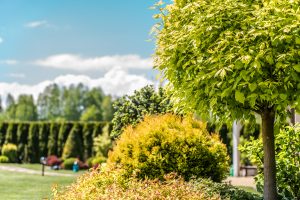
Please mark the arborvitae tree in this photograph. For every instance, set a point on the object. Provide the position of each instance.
(52, 142)
(73, 146)
(22, 135)
(64, 131)
(87, 133)
(3, 129)
(33, 143)
(11, 133)
(44, 130)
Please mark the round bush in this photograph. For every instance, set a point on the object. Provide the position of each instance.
(68, 163)
(4, 159)
(167, 143)
(98, 160)
(10, 151)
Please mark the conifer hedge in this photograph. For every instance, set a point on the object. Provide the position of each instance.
(36, 139)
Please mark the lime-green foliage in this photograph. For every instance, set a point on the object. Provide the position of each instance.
(110, 183)
(11, 133)
(287, 159)
(103, 143)
(130, 110)
(10, 151)
(168, 143)
(68, 163)
(4, 159)
(73, 146)
(98, 160)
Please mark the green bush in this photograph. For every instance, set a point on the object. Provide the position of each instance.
(287, 146)
(73, 146)
(167, 143)
(98, 160)
(10, 151)
(103, 143)
(4, 159)
(68, 163)
(110, 183)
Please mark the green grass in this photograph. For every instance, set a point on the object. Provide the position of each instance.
(38, 167)
(14, 185)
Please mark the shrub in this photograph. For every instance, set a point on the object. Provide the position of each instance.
(110, 183)
(73, 146)
(103, 143)
(10, 151)
(168, 143)
(4, 159)
(98, 160)
(68, 163)
(53, 160)
(287, 146)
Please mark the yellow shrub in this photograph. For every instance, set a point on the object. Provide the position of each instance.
(167, 143)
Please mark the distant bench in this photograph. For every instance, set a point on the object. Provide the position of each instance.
(248, 170)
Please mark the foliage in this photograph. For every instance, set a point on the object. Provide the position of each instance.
(92, 113)
(73, 146)
(103, 143)
(222, 56)
(130, 110)
(10, 151)
(4, 159)
(110, 183)
(25, 108)
(68, 163)
(35, 139)
(168, 143)
(98, 160)
(287, 145)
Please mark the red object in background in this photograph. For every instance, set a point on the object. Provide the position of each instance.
(53, 160)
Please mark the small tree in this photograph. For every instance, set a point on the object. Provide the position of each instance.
(231, 59)
(73, 147)
(130, 110)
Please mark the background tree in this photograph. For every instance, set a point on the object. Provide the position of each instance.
(10, 111)
(130, 110)
(25, 109)
(232, 59)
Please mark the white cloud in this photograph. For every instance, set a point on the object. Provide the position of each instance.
(115, 82)
(78, 63)
(16, 75)
(9, 62)
(36, 24)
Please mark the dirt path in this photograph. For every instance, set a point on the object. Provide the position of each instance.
(30, 171)
(242, 181)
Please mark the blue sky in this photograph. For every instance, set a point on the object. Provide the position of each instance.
(46, 40)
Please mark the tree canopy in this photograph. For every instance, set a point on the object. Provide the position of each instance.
(230, 59)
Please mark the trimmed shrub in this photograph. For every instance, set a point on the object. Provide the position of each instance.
(73, 146)
(11, 133)
(87, 133)
(103, 143)
(44, 130)
(167, 143)
(64, 131)
(33, 143)
(287, 155)
(52, 140)
(4, 159)
(22, 134)
(68, 163)
(3, 129)
(106, 184)
(98, 161)
(10, 151)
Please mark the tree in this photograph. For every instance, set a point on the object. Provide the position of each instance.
(10, 107)
(73, 147)
(107, 107)
(232, 59)
(25, 109)
(91, 113)
(130, 110)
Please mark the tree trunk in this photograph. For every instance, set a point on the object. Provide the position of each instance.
(270, 190)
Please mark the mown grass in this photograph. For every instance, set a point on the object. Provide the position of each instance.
(15, 185)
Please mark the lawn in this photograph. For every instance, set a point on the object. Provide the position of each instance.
(15, 185)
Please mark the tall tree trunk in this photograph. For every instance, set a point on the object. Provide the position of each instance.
(268, 119)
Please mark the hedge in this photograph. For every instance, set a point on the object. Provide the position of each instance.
(36, 139)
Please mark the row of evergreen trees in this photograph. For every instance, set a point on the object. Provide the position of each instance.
(63, 139)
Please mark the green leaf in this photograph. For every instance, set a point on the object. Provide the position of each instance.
(252, 86)
(283, 96)
(240, 97)
(297, 67)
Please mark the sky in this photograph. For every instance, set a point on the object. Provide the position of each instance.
(99, 43)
